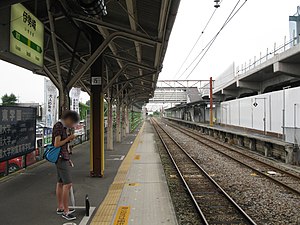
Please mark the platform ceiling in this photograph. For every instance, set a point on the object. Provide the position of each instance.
(147, 25)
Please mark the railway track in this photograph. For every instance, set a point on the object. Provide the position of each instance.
(214, 205)
(283, 178)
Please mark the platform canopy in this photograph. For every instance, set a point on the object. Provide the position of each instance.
(135, 39)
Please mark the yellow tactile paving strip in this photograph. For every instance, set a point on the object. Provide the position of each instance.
(122, 216)
(106, 211)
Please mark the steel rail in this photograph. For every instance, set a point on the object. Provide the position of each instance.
(190, 133)
(221, 190)
(181, 175)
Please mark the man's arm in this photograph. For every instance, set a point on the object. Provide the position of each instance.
(58, 142)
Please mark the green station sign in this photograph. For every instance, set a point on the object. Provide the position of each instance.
(26, 35)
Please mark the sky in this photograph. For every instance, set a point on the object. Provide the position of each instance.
(258, 25)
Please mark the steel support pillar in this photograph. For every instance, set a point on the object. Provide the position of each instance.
(97, 113)
(211, 117)
(110, 130)
(63, 101)
(123, 120)
(118, 122)
(127, 119)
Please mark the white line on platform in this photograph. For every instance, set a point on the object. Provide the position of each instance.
(77, 207)
(118, 158)
(86, 219)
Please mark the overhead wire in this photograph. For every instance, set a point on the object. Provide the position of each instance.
(198, 38)
(211, 42)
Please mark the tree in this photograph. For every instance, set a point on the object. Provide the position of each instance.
(9, 99)
(83, 109)
(156, 113)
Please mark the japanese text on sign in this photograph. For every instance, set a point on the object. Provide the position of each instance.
(17, 131)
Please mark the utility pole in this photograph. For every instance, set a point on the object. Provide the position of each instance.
(211, 121)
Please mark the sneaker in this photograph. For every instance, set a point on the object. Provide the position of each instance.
(71, 210)
(61, 211)
(68, 216)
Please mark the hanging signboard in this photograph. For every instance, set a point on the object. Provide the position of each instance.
(26, 35)
(50, 103)
(75, 95)
(23, 37)
(17, 131)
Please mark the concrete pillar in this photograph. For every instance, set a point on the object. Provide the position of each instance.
(268, 149)
(97, 114)
(230, 139)
(110, 130)
(216, 134)
(252, 144)
(292, 155)
(240, 141)
(289, 158)
(118, 122)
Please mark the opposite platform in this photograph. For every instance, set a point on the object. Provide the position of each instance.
(139, 194)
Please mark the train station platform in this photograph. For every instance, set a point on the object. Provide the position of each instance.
(28, 197)
(264, 144)
(139, 194)
(134, 190)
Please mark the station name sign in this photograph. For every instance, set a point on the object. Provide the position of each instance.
(23, 37)
(26, 35)
(17, 131)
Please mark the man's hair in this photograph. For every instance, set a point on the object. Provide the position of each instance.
(72, 115)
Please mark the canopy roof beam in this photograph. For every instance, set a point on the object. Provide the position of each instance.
(134, 63)
(97, 22)
(101, 49)
(54, 43)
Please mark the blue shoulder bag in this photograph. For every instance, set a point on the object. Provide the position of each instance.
(52, 153)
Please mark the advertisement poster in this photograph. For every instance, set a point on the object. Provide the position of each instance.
(17, 131)
(47, 136)
(50, 103)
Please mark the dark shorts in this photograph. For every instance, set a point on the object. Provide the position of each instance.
(63, 171)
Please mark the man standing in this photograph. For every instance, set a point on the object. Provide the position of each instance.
(61, 139)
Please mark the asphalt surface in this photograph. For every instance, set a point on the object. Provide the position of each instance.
(29, 198)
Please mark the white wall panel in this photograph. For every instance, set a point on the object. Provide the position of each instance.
(292, 107)
(276, 115)
(258, 114)
(234, 113)
(242, 112)
(246, 113)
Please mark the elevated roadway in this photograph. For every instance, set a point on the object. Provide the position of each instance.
(270, 73)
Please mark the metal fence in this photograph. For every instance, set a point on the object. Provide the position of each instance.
(270, 53)
(292, 135)
(233, 73)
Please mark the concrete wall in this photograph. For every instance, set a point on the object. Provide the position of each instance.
(271, 106)
(225, 78)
